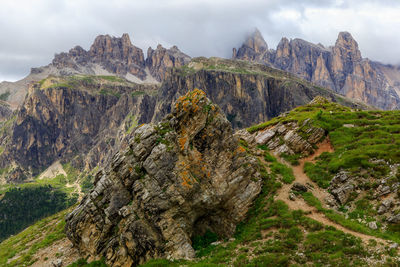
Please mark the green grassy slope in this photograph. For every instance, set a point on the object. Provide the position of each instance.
(20, 250)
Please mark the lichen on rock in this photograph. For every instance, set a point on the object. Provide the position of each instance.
(177, 179)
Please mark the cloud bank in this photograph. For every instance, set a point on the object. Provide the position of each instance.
(33, 31)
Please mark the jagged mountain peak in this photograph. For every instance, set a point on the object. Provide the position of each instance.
(107, 41)
(256, 41)
(110, 55)
(253, 47)
(107, 37)
(283, 40)
(346, 42)
(345, 38)
(117, 47)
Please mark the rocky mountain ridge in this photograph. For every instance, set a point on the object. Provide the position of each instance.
(339, 67)
(247, 93)
(107, 56)
(120, 57)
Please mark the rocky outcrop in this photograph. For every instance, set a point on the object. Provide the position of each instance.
(160, 59)
(340, 67)
(341, 187)
(290, 138)
(5, 111)
(118, 55)
(178, 178)
(345, 185)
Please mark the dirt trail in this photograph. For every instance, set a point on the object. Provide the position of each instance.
(300, 204)
(77, 190)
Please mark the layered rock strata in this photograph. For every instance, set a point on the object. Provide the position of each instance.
(178, 178)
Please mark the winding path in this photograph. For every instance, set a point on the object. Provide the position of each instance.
(299, 204)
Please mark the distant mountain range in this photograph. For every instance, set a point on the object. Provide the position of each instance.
(107, 56)
(339, 67)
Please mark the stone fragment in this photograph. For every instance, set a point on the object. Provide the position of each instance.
(57, 263)
(373, 225)
(264, 136)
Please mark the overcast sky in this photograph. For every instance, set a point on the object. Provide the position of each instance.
(32, 31)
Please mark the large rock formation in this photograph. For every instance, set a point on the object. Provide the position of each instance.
(107, 54)
(340, 67)
(178, 178)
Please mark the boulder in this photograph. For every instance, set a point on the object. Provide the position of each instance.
(342, 193)
(385, 206)
(299, 187)
(373, 225)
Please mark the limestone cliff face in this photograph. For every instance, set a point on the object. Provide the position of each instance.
(247, 93)
(340, 68)
(160, 59)
(61, 122)
(178, 178)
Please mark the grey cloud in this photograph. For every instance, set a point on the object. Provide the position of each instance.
(32, 31)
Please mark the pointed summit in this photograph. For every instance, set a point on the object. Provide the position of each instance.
(253, 47)
(345, 38)
(126, 40)
(346, 43)
(256, 41)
